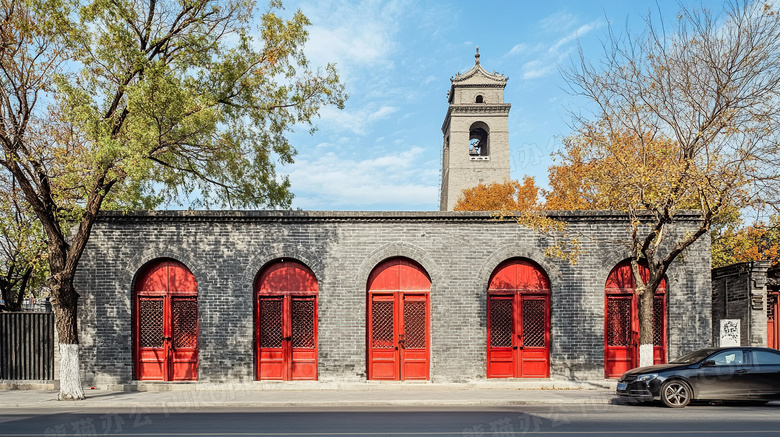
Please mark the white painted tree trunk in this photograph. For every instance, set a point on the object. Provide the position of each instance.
(70, 375)
(645, 355)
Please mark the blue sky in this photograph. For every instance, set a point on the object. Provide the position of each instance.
(383, 151)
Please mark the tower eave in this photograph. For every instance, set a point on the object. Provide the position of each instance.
(475, 70)
(498, 109)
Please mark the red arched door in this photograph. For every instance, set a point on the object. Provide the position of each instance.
(286, 322)
(518, 321)
(772, 307)
(621, 328)
(398, 321)
(166, 323)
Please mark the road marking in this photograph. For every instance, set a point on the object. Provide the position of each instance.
(284, 434)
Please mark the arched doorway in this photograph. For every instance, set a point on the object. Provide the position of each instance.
(286, 322)
(166, 322)
(518, 323)
(621, 326)
(398, 321)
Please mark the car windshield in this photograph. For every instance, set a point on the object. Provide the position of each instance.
(693, 357)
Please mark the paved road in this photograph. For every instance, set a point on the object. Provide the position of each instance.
(550, 420)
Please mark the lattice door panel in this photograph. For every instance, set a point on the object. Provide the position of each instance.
(151, 315)
(382, 325)
(271, 335)
(534, 315)
(501, 322)
(414, 324)
(303, 316)
(658, 321)
(618, 322)
(184, 314)
(771, 307)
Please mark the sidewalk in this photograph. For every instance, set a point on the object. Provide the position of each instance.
(238, 396)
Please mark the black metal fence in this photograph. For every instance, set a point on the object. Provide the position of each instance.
(26, 346)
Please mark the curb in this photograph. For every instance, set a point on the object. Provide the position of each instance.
(177, 406)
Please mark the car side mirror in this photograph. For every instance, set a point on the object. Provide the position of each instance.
(708, 363)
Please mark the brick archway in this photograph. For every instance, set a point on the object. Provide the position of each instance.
(518, 321)
(286, 322)
(165, 340)
(621, 321)
(399, 319)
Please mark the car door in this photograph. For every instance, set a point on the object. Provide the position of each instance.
(723, 375)
(765, 374)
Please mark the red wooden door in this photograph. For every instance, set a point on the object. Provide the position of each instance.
(383, 356)
(621, 335)
(166, 323)
(502, 339)
(518, 336)
(398, 321)
(286, 322)
(621, 329)
(659, 328)
(413, 336)
(534, 331)
(772, 337)
(518, 321)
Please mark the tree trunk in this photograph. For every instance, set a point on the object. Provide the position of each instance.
(646, 328)
(65, 304)
(11, 302)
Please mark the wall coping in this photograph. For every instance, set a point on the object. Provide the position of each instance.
(357, 216)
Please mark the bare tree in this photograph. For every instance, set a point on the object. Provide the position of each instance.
(682, 116)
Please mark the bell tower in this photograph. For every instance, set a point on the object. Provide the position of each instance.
(476, 133)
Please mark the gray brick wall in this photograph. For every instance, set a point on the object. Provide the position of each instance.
(226, 250)
(739, 291)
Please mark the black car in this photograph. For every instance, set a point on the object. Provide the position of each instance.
(729, 373)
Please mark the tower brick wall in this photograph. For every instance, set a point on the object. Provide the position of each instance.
(476, 98)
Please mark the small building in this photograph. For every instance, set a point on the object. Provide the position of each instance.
(236, 296)
(745, 295)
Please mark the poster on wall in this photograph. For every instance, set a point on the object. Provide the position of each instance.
(729, 332)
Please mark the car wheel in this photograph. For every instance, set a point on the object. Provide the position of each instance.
(676, 394)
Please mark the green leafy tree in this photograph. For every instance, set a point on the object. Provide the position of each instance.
(123, 104)
(22, 248)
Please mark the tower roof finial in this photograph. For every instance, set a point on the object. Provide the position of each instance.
(476, 57)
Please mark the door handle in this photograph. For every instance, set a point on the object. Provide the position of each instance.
(741, 371)
(514, 347)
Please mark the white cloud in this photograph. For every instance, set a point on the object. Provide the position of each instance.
(561, 20)
(580, 32)
(399, 179)
(354, 35)
(524, 49)
(357, 121)
(536, 69)
(548, 55)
